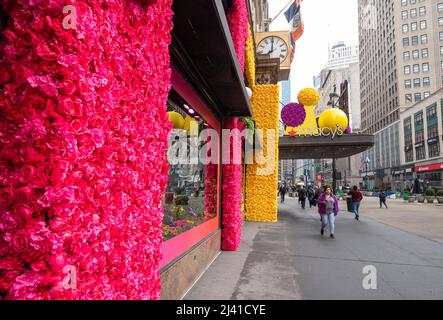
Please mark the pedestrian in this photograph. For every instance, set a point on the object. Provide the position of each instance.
(302, 197)
(328, 209)
(382, 197)
(317, 196)
(311, 195)
(357, 197)
(282, 191)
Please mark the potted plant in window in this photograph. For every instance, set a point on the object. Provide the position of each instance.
(420, 198)
(430, 194)
(440, 196)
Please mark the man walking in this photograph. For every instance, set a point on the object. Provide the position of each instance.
(357, 197)
(282, 191)
(302, 197)
(382, 197)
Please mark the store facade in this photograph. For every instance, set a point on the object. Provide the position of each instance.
(91, 208)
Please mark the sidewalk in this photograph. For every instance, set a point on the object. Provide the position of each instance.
(290, 260)
(425, 220)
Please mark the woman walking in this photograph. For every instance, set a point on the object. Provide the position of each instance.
(383, 197)
(328, 209)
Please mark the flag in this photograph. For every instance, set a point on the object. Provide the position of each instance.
(291, 12)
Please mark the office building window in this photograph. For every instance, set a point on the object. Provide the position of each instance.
(440, 36)
(418, 121)
(408, 98)
(434, 150)
(405, 28)
(416, 68)
(420, 152)
(431, 114)
(426, 82)
(409, 155)
(412, 1)
(425, 53)
(422, 11)
(426, 94)
(417, 97)
(407, 69)
(423, 25)
(425, 67)
(414, 40)
(408, 84)
(415, 54)
(407, 56)
(424, 39)
(404, 14)
(440, 7)
(440, 21)
(417, 83)
(413, 13)
(405, 42)
(414, 26)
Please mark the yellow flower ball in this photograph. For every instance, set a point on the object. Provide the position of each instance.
(188, 121)
(331, 118)
(308, 97)
(177, 120)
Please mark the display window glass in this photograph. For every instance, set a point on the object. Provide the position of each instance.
(190, 198)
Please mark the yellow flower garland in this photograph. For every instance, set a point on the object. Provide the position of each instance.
(261, 190)
(249, 60)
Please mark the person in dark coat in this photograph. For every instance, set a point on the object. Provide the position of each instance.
(283, 191)
(311, 197)
(302, 197)
(382, 197)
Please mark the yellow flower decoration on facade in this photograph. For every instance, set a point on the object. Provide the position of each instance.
(250, 60)
(261, 190)
(308, 97)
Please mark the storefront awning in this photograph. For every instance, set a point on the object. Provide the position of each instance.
(202, 49)
(310, 147)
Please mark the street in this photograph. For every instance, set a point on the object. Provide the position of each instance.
(290, 260)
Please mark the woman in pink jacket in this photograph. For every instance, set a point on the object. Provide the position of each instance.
(328, 209)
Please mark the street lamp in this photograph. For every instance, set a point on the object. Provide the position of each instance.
(367, 160)
(333, 102)
(333, 98)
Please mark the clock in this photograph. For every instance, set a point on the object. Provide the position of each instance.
(273, 46)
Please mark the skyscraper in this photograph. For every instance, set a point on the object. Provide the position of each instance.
(378, 64)
(401, 63)
(401, 57)
(341, 55)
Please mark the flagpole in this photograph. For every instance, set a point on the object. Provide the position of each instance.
(284, 8)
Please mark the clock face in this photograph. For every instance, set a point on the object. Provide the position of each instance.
(275, 46)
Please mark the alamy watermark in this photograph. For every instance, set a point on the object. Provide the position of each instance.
(70, 20)
(70, 280)
(370, 279)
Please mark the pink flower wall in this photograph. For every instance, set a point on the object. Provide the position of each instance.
(232, 192)
(83, 139)
(237, 18)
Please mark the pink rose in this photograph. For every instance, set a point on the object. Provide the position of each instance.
(26, 173)
(23, 215)
(19, 241)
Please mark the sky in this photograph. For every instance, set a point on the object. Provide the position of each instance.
(325, 22)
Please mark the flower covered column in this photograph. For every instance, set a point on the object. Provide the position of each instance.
(261, 189)
(83, 149)
(232, 190)
(237, 17)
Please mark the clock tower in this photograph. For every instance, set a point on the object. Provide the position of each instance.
(275, 46)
